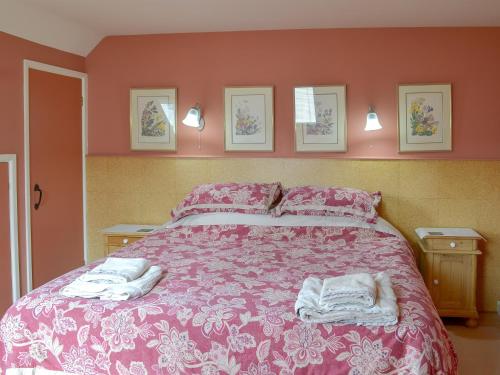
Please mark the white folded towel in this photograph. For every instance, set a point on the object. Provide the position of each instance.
(114, 292)
(358, 289)
(116, 271)
(385, 311)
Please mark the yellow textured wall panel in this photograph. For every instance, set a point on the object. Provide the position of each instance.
(418, 179)
(415, 193)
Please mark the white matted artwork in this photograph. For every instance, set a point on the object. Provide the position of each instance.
(153, 119)
(424, 118)
(320, 119)
(249, 119)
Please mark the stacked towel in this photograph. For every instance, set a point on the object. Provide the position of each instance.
(117, 270)
(117, 279)
(348, 290)
(383, 313)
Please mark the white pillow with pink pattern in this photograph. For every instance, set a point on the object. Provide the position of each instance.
(330, 201)
(246, 198)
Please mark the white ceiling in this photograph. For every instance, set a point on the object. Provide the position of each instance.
(78, 25)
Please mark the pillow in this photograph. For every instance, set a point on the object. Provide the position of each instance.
(330, 201)
(250, 198)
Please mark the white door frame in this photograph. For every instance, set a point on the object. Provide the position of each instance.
(10, 159)
(27, 65)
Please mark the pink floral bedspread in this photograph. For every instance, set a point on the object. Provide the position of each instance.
(226, 306)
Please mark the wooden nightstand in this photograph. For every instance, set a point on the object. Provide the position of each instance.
(449, 264)
(122, 235)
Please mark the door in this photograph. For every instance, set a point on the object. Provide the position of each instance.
(55, 113)
(451, 277)
(5, 272)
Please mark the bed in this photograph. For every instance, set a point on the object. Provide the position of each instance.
(226, 306)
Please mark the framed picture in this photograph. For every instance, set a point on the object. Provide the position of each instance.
(424, 119)
(249, 119)
(320, 119)
(153, 119)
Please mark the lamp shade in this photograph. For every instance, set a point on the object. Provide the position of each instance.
(372, 122)
(193, 118)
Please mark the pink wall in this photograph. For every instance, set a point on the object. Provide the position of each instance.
(370, 61)
(12, 52)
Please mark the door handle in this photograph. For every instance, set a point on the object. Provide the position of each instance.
(38, 190)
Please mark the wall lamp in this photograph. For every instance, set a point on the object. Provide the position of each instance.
(372, 122)
(193, 118)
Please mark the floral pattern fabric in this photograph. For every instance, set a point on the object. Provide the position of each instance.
(330, 201)
(251, 198)
(226, 306)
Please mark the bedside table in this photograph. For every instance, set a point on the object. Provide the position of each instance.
(121, 235)
(449, 265)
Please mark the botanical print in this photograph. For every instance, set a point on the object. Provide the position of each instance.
(325, 121)
(325, 118)
(324, 127)
(226, 306)
(153, 118)
(153, 121)
(422, 118)
(246, 122)
(320, 118)
(248, 118)
(425, 117)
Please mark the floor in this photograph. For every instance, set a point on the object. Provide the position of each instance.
(478, 349)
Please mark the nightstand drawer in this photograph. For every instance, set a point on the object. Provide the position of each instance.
(121, 235)
(451, 244)
(121, 240)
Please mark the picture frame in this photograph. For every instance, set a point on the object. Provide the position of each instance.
(249, 118)
(424, 117)
(153, 119)
(320, 118)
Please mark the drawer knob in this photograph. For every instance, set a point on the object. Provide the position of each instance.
(453, 244)
(435, 282)
(125, 240)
